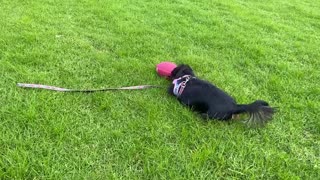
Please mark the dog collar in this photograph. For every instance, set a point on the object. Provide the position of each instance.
(180, 84)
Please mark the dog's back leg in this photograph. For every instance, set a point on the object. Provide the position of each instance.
(194, 105)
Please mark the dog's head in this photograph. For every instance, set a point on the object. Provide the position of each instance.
(181, 70)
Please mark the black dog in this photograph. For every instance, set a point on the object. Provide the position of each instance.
(211, 102)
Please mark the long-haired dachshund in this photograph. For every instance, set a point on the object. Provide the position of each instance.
(211, 102)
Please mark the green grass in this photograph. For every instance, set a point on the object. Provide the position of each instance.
(252, 49)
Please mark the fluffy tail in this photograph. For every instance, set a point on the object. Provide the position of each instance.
(259, 113)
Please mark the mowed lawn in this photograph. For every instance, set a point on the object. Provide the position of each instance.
(266, 50)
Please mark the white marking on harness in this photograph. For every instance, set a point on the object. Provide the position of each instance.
(180, 84)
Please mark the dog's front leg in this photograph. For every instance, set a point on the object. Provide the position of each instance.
(170, 90)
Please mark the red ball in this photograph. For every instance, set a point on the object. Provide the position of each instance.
(165, 68)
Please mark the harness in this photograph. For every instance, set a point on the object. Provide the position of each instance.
(180, 84)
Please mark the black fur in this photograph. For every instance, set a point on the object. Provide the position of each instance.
(213, 103)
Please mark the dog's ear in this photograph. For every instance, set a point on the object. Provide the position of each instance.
(176, 70)
(181, 70)
(186, 70)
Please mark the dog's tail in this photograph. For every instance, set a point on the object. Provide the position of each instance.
(259, 113)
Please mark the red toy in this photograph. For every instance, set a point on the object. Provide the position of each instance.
(165, 68)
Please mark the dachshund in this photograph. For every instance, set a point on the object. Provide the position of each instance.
(211, 102)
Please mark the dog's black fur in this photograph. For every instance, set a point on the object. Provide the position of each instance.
(213, 103)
